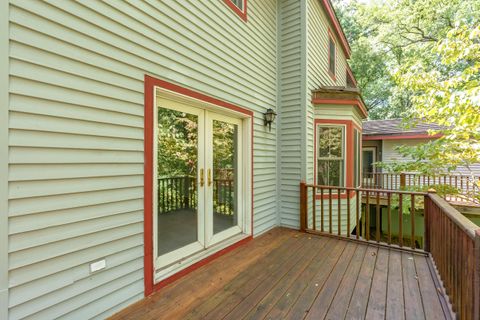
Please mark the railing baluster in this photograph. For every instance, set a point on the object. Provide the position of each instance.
(321, 210)
(357, 214)
(400, 219)
(389, 213)
(377, 215)
(339, 212)
(330, 210)
(348, 213)
(314, 207)
(412, 219)
(367, 216)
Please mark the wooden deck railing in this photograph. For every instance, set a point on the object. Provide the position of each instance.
(454, 243)
(175, 193)
(459, 188)
(452, 240)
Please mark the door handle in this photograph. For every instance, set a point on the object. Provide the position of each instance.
(202, 182)
(209, 177)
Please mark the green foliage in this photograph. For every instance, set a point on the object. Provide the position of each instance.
(385, 36)
(441, 189)
(177, 143)
(446, 93)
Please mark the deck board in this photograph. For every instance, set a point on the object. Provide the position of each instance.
(286, 274)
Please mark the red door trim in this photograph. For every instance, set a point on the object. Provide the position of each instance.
(149, 85)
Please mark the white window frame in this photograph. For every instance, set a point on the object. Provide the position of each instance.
(344, 148)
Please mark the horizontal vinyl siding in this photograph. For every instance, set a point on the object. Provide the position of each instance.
(76, 134)
(389, 155)
(290, 117)
(317, 69)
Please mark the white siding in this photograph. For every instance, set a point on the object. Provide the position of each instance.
(389, 154)
(76, 133)
(290, 118)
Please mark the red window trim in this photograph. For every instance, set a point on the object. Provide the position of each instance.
(241, 13)
(350, 75)
(330, 73)
(149, 86)
(349, 153)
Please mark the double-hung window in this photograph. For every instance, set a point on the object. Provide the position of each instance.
(330, 155)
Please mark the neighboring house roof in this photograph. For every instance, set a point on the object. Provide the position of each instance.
(393, 129)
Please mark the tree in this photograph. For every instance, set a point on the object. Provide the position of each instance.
(446, 93)
(387, 35)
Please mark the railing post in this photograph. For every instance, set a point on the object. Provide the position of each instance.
(403, 180)
(186, 191)
(426, 219)
(476, 277)
(303, 206)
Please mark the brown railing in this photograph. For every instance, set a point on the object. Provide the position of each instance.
(382, 216)
(454, 243)
(458, 188)
(176, 193)
(367, 215)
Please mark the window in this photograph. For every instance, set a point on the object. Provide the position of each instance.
(350, 80)
(238, 4)
(356, 160)
(331, 56)
(239, 7)
(331, 155)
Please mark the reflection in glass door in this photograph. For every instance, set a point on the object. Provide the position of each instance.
(198, 184)
(223, 162)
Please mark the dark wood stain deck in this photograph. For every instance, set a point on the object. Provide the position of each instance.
(285, 274)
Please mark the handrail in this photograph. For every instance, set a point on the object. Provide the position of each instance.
(337, 210)
(460, 188)
(454, 244)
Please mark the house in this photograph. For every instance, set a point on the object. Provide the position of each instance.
(87, 91)
(381, 137)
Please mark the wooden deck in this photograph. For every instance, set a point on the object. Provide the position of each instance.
(293, 275)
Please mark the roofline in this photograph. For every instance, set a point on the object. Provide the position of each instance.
(338, 28)
(400, 136)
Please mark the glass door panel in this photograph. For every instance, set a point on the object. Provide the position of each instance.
(180, 222)
(224, 174)
(225, 137)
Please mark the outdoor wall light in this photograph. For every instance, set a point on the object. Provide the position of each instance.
(268, 118)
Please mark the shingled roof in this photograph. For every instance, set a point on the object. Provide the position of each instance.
(394, 127)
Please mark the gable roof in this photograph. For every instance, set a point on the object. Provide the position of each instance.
(394, 128)
(327, 5)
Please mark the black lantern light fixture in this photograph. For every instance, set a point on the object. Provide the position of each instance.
(268, 118)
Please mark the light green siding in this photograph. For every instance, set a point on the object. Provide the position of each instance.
(290, 119)
(4, 101)
(76, 134)
(318, 26)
